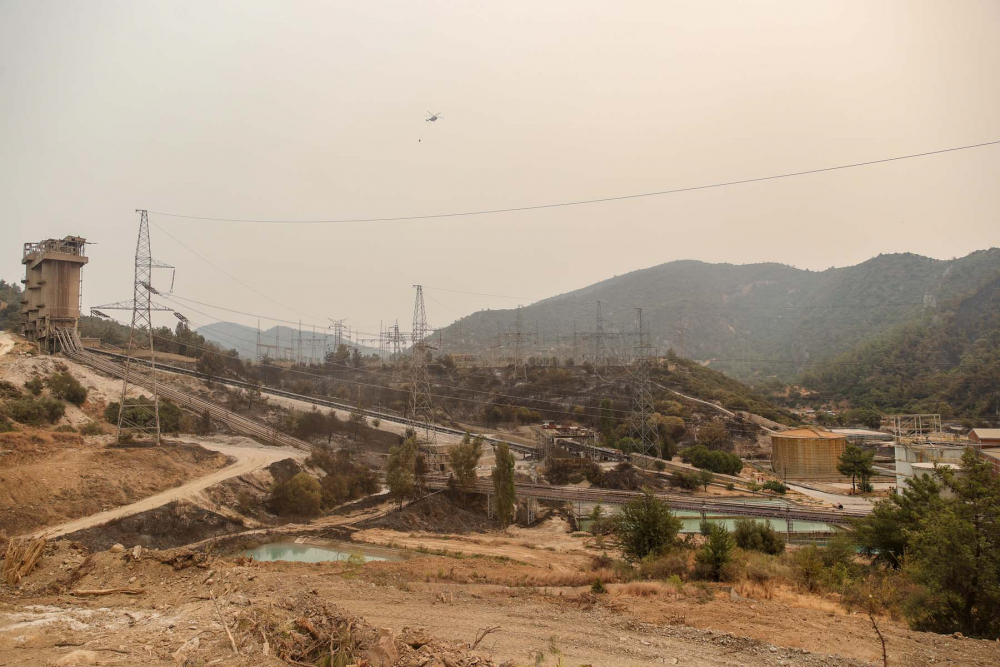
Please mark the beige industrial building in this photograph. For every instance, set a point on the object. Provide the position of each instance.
(807, 453)
(52, 289)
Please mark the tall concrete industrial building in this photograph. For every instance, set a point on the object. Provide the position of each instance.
(52, 288)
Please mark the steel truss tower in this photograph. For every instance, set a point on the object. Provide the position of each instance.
(421, 409)
(518, 338)
(136, 415)
(643, 433)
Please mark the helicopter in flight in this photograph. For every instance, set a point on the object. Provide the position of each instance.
(433, 117)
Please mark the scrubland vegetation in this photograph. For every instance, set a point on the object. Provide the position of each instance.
(930, 555)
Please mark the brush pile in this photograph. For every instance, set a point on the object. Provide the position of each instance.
(20, 557)
(313, 633)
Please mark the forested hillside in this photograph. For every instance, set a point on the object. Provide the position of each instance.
(750, 321)
(947, 363)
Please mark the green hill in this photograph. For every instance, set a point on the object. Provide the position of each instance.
(751, 321)
(947, 362)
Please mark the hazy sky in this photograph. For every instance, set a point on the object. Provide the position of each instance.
(299, 110)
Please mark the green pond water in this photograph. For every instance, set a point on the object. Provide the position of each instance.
(691, 523)
(304, 553)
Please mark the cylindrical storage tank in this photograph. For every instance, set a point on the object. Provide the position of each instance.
(806, 453)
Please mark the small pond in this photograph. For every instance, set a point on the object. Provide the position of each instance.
(308, 553)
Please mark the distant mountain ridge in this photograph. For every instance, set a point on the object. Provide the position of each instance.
(752, 320)
(243, 339)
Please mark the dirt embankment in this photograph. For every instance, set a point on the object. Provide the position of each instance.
(236, 505)
(433, 514)
(49, 477)
(172, 525)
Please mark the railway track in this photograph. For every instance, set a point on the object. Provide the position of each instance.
(383, 415)
(237, 422)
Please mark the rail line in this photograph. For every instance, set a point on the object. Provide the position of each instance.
(346, 407)
(235, 421)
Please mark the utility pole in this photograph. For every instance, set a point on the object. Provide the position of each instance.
(136, 415)
(643, 432)
(421, 409)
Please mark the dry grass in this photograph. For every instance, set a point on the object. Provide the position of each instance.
(642, 589)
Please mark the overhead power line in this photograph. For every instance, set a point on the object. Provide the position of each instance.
(579, 202)
(231, 276)
(223, 353)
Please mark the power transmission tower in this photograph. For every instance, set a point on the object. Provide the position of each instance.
(421, 409)
(136, 415)
(643, 433)
(599, 340)
(518, 338)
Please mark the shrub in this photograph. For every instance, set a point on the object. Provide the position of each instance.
(756, 536)
(9, 390)
(91, 428)
(5, 424)
(65, 428)
(761, 569)
(244, 502)
(685, 480)
(808, 567)
(139, 411)
(598, 587)
(34, 411)
(666, 566)
(646, 526)
(775, 486)
(298, 496)
(723, 463)
(660, 465)
(68, 388)
(602, 562)
(34, 385)
(204, 424)
(624, 477)
(716, 553)
(562, 471)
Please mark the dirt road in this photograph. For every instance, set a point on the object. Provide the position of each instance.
(6, 343)
(249, 457)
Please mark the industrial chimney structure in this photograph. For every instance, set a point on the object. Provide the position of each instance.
(52, 289)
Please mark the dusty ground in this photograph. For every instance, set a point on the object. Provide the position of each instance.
(48, 477)
(452, 598)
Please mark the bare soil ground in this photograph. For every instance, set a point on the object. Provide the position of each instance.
(449, 598)
(49, 477)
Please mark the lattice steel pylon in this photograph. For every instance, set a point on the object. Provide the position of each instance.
(421, 409)
(518, 338)
(643, 432)
(137, 415)
(599, 341)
